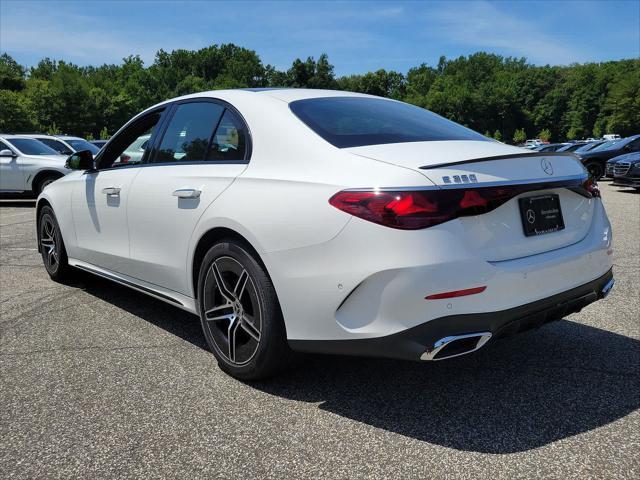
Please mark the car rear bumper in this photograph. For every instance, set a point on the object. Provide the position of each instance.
(416, 343)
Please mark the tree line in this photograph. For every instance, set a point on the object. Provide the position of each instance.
(503, 97)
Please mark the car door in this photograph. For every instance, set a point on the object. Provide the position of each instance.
(99, 201)
(11, 173)
(205, 146)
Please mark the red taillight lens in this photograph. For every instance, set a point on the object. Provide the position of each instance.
(591, 186)
(413, 210)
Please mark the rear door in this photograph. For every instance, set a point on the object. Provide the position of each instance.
(204, 147)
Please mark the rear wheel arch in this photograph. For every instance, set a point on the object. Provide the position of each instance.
(210, 238)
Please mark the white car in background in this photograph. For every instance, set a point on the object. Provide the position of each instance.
(335, 222)
(135, 151)
(63, 144)
(28, 165)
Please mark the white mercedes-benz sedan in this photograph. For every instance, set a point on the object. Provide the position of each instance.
(335, 222)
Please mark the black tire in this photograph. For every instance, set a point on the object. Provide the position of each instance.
(44, 181)
(595, 169)
(241, 320)
(54, 255)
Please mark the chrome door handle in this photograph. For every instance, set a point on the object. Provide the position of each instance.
(111, 191)
(187, 193)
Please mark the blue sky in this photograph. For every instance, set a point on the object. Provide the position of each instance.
(357, 36)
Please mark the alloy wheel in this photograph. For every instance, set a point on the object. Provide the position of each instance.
(48, 243)
(232, 313)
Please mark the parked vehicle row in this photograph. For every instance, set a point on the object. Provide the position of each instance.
(326, 221)
(30, 162)
(596, 158)
(625, 170)
(28, 165)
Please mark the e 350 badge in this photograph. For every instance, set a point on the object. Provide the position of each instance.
(460, 179)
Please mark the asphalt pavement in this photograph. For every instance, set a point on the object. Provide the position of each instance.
(99, 381)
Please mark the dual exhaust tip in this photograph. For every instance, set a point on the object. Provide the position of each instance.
(456, 345)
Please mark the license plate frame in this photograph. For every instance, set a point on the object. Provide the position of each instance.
(541, 214)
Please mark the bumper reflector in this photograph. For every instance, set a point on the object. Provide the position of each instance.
(456, 293)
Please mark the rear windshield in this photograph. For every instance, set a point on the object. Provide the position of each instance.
(29, 146)
(355, 121)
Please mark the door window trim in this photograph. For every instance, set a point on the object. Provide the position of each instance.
(163, 110)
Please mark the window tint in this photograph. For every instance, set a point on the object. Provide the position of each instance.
(126, 147)
(30, 146)
(230, 139)
(83, 145)
(357, 121)
(189, 132)
(57, 145)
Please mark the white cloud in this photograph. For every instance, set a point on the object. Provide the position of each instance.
(482, 26)
(83, 39)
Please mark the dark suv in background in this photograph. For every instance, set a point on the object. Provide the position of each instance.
(596, 159)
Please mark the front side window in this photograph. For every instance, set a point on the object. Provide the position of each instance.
(126, 148)
(357, 121)
(30, 146)
(189, 132)
(57, 145)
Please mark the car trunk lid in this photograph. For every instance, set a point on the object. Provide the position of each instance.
(499, 234)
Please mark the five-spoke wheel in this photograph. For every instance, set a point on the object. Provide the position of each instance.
(54, 255)
(232, 310)
(240, 314)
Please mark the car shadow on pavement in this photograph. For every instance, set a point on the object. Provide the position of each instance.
(172, 319)
(518, 394)
(514, 395)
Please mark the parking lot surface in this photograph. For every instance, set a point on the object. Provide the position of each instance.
(98, 381)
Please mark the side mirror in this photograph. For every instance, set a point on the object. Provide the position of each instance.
(81, 160)
(7, 153)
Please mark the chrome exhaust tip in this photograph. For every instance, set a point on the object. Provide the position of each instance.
(607, 288)
(456, 345)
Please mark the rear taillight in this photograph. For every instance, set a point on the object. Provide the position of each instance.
(591, 186)
(416, 209)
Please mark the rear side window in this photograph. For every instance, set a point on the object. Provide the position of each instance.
(230, 140)
(356, 121)
(203, 131)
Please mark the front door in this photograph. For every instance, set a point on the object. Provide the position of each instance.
(11, 175)
(100, 198)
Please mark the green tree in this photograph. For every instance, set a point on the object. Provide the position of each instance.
(497, 135)
(545, 134)
(16, 114)
(520, 136)
(12, 75)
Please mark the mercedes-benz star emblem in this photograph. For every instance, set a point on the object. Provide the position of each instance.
(531, 216)
(546, 166)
